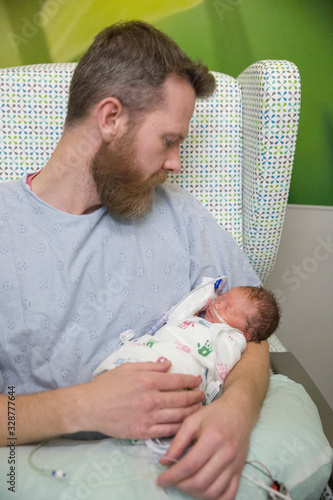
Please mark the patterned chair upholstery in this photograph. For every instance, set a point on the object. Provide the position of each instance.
(237, 158)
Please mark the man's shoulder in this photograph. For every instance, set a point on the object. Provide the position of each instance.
(11, 185)
(171, 190)
(10, 191)
(178, 201)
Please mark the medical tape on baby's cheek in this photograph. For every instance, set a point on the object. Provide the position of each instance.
(217, 314)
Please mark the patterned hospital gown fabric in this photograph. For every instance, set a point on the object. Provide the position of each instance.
(71, 284)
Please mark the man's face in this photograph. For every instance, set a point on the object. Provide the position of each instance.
(126, 172)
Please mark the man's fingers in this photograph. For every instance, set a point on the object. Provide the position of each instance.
(166, 381)
(158, 366)
(216, 485)
(177, 381)
(222, 487)
(188, 466)
(179, 399)
(165, 430)
(194, 460)
(180, 442)
(174, 415)
(199, 474)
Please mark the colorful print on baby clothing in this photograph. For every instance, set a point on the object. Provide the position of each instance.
(186, 324)
(205, 349)
(206, 374)
(205, 323)
(121, 361)
(222, 370)
(182, 347)
(150, 343)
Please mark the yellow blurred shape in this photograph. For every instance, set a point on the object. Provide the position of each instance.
(71, 25)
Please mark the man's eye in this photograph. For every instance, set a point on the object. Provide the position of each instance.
(168, 143)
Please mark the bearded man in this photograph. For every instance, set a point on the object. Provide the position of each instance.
(96, 244)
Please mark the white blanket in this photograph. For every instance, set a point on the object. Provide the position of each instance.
(194, 346)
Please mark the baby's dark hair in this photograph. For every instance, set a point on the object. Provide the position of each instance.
(266, 313)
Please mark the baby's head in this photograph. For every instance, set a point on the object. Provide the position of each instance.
(253, 311)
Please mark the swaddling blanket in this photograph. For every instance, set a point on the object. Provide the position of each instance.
(194, 346)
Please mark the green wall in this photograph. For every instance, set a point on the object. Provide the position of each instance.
(228, 35)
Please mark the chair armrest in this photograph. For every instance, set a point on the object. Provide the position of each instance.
(270, 111)
(286, 364)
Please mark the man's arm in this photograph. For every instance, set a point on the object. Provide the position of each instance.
(135, 400)
(38, 416)
(220, 432)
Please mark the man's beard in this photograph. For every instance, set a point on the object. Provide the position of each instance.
(120, 182)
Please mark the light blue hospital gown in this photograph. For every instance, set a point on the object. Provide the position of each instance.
(71, 284)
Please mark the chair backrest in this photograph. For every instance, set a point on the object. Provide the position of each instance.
(271, 96)
(33, 102)
(212, 155)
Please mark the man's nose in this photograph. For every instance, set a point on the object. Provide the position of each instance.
(172, 164)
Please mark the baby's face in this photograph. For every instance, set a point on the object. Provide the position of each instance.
(233, 306)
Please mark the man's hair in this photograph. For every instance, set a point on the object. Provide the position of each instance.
(130, 61)
(266, 313)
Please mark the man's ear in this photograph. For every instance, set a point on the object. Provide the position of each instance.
(111, 118)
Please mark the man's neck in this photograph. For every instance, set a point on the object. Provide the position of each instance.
(66, 182)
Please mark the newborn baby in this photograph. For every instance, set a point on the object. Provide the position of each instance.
(210, 343)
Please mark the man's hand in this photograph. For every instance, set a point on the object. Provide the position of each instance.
(213, 465)
(139, 400)
(135, 400)
(219, 433)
